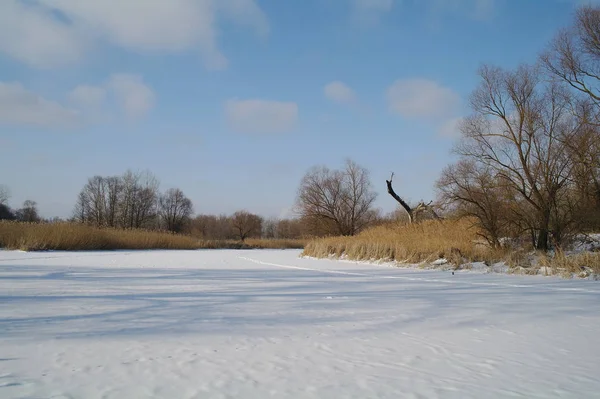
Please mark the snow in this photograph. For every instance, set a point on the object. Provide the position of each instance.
(260, 324)
(587, 242)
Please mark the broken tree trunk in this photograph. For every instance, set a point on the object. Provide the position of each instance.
(412, 213)
(400, 200)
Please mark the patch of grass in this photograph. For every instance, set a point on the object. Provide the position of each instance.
(79, 237)
(456, 240)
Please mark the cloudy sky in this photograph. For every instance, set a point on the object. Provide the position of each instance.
(233, 100)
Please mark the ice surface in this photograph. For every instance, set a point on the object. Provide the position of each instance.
(260, 324)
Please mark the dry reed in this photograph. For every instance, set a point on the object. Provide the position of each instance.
(78, 237)
(455, 240)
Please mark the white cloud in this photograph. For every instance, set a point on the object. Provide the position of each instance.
(55, 32)
(133, 96)
(261, 116)
(422, 98)
(30, 35)
(87, 103)
(88, 96)
(19, 106)
(129, 93)
(339, 92)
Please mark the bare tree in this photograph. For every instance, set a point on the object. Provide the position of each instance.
(269, 228)
(246, 224)
(139, 199)
(291, 228)
(81, 212)
(94, 194)
(584, 150)
(574, 54)
(475, 191)
(339, 200)
(175, 210)
(113, 189)
(29, 212)
(573, 58)
(213, 227)
(413, 213)
(518, 133)
(4, 194)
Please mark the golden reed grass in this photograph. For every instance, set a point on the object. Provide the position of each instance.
(78, 237)
(407, 243)
(581, 263)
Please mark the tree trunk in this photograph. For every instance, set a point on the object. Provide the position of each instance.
(543, 235)
(542, 240)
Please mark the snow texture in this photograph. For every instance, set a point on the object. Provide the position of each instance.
(262, 324)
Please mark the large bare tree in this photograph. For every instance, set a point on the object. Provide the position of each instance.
(573, 58)
(518, 132)
(341, 201)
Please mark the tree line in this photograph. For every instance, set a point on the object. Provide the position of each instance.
(134, 200)
(329, 202)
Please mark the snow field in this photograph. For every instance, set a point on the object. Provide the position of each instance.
(259, 324)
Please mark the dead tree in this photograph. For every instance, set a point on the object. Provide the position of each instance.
(413, 213)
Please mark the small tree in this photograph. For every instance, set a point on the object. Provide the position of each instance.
(337, 201)
(28, 213)
(473, 190)
(175, 210)
(246, 224)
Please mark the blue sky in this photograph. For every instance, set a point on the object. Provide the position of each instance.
(233, 100)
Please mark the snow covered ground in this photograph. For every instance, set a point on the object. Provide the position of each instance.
(260, 324)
